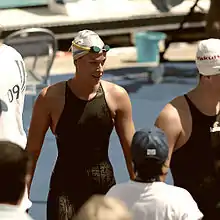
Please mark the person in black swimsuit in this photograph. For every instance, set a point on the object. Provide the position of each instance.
(81, 113)
(188, 123)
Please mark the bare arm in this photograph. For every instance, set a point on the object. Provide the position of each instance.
(39, 125)
(125, 127)
(169, 121)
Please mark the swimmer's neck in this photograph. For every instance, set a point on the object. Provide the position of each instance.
(82, 89)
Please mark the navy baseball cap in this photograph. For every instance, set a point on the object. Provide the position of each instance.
(149, 144)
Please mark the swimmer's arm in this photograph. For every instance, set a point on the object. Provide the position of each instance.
(125, 127)
(169, 121)
(39, 125)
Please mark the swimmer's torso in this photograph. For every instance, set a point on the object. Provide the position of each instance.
(82, 134)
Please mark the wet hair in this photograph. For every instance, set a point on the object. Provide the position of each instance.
(14, 168)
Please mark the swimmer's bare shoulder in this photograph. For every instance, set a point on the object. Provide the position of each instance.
(116, 91)
(51, 96)
(170, 120)
(53, 91)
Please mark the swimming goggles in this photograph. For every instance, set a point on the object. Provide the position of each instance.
(93, 49)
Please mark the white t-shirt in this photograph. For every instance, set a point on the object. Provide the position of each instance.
(13, 78)
(156, 201)
(12, 93)
(12, 212)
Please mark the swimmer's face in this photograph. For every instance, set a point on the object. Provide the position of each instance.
(91, 66)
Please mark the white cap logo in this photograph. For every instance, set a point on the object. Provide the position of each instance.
(151, 152)
(208, 57)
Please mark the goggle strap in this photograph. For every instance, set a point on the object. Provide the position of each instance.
(80, 47)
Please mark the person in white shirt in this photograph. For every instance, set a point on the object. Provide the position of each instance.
(148, 197)
(12, 94)
(15, 165)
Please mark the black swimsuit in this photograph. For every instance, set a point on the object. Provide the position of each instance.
(82, 168)
(192, 165)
